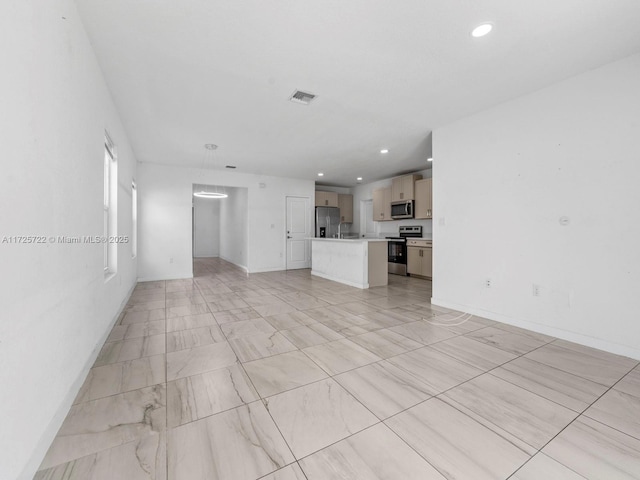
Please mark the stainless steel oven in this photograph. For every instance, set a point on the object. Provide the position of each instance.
(397, 248)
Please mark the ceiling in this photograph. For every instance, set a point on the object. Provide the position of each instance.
(386, 73)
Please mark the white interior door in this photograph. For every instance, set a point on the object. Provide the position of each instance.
(298, 232)
(367, 225)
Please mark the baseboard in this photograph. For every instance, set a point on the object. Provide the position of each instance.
(266, 270)
(180, 276)
(339, 280)
(570, 336)
(56, 422)
(243, 267)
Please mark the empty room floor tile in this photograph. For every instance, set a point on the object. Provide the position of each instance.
(142, 459)
(543, 467)
(106, 423)
(439, 372)
(477, 354)
(309, 335)
(385, 343)
(195, 337)
(618, 410)
(596, 451)
(247, 327)
(192, 361)
(290, 472)
(384, 388)
(199, 396)
(561, 387)
(594, 368)
(122, 377)
(282, 372)
(422, 332)
(631, 383)
(236, 315)
(189, 322)
(317, 415)
(131, 349)
(239, 444)
(373, 454)
(340, 356)
(287, 321)
(505, 340)
(525, 415)
(138, 329)
(254, 347)
(456, 445)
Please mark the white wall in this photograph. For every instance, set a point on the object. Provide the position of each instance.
(165, 194)
(365, 192)
(206, 227)
(56, 307)
(234, 230)
(505, 178)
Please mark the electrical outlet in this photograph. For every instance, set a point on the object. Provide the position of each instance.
(536, 290)
(487, 283)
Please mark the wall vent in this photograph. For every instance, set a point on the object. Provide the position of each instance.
(302, 97)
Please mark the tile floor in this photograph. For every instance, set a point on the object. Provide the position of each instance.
(285, 376)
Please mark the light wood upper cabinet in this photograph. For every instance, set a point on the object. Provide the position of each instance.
(424, 199)
(382, 204)
(326, 199)
(402, 188)
(345, 203)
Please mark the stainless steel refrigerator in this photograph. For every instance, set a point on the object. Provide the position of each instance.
(327, 221)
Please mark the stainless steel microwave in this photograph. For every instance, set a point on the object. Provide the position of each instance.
(403, 209)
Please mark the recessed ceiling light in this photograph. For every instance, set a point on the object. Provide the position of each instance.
(359, 179)
(384, 150)
(481, 30)
(210, 146)
(321, 174)
(429, 159)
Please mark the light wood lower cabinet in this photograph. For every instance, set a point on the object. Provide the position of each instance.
(420, 258)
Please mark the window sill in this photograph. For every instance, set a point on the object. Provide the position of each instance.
(108, 276)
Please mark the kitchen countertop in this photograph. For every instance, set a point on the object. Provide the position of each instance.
(350, 240)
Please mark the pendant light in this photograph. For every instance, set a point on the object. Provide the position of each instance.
(204, 191)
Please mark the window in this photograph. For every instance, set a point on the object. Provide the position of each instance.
(110, 205)
(134, 218)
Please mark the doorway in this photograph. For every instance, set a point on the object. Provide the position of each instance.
(367, 225)
(298, 246)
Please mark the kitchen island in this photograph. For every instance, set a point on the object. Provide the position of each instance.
(361, 262)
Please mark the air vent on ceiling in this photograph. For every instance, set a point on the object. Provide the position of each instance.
(302, 97)
(230, 166)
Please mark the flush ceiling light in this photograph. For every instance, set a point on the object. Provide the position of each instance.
(203, 194)
(429, 159)
(359, 179)
(321, 174)
(384, 150)
(481, 30)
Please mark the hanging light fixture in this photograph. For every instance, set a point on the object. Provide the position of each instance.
(204, 189)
